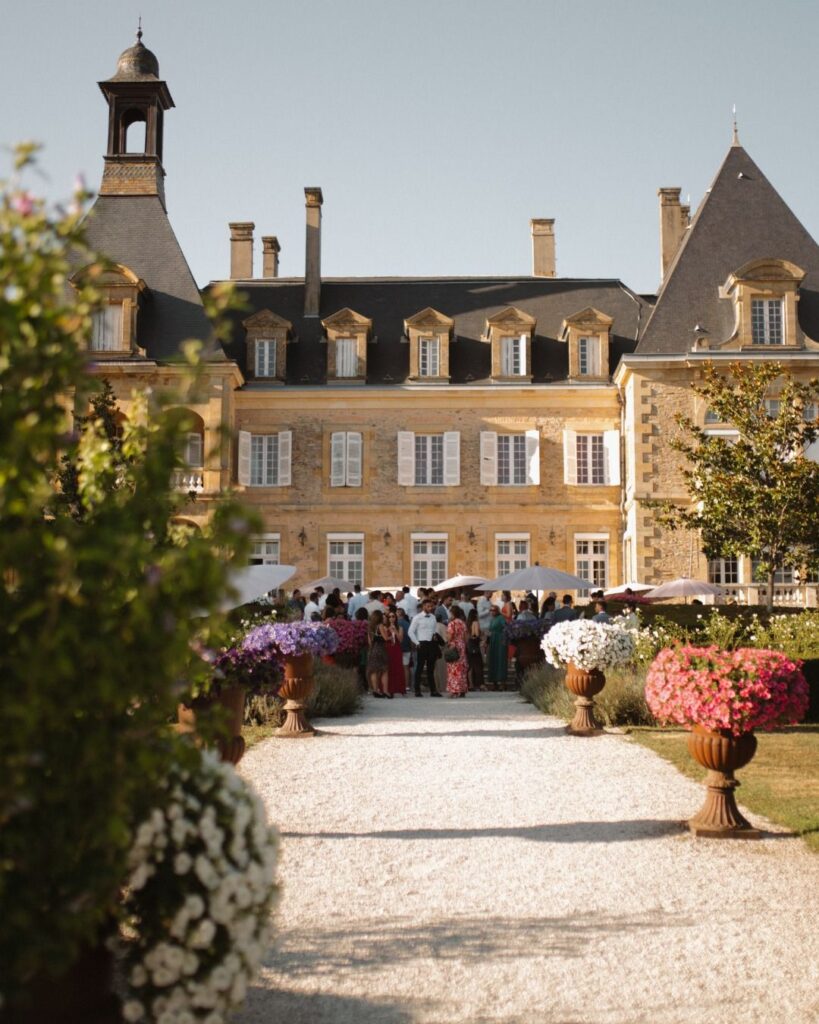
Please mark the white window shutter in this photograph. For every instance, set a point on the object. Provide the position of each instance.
(569, 457)
(533, 456)
(354, 453)
(524, 370)
(285, 457)
(244, 458)
(489, 458)
(452, 458)
(338, 444)
(406, 458)
(611, 443)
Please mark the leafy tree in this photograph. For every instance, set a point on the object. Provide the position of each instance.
(96, 624)
(756, 493)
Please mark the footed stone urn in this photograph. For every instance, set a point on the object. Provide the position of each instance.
(722, 754)
(584, 684)
(231, 704)
(295, 689)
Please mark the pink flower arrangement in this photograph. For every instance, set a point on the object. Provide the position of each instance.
(738, 690)
(352, 634)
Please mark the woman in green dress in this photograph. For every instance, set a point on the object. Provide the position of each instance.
(497, 657)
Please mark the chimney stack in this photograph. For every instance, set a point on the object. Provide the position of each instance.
(674, 220)
(543, 247)
(270, 256)
(313, 200)
(241, 250)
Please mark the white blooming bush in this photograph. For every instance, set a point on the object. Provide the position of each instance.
(198, 900)
(588, 645)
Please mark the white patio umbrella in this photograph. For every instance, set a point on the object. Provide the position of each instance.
(537, 577)
(685, 587)
(253, 581)
(459, 582)
(633, 586)
(329, 583)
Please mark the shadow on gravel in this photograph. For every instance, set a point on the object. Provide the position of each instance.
(264, 1005)
(561, 832)
(539, 733)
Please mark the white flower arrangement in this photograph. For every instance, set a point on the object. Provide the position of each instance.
(588, 645)
(199, 899)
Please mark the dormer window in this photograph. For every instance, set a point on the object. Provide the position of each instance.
(429, 334)
(509, 334)
(114, 323)
(765, 294)
(106, 328)
(587, 334)
(267, 337)
(347, 335)
(767, 326)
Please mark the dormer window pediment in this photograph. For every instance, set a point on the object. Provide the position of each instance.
(510, 333)
(347, 333)
(267, 336)
(765, 293)
(588, 335)
(114, 323)
(429, 333)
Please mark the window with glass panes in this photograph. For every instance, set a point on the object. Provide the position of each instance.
(591, 561)
(724, 571)
(783, 576)
(264, 460)
(512, 554)
(591, 459)
(346, 357)
(767, 326)
(265, 358)
(429, 353)
(429, 459)
(106, 329)
(428, 562)
(345, 558)
(511, 458)
(264, 550)
(588, 357)
(194, 446)
(513, 356)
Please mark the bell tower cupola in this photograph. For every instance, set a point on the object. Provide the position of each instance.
(137, 100)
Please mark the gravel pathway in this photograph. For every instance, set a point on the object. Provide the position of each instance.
(466, 861)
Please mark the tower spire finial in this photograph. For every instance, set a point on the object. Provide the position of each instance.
(139, 29)
(735, 134)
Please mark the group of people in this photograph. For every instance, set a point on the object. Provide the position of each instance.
(438, 642)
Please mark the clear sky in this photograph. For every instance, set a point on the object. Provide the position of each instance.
(436, 128)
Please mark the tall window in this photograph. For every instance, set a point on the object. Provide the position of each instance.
(106, 329)
(429, 459)
(723, 571)
(591, 560)
(429, 357)
(346, 357)
(512, 554)
(345, 557)
(512, 459)
(783, 576)
(591, 459)
(345, 458)
(264, 460)
(772, 407)
(194, 450)
(265, 358)
(264, 550)
(428, 561)
(588, 357)
(766, 322)
(513, 356)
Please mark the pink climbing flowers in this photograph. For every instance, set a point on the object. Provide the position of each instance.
(738, 690)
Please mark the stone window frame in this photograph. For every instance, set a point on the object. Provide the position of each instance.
(767, 279)
(266, 326)
(510, 322)
(512, 556)
(429, 323)
(119, 286)
(347, 324)
(587, 323)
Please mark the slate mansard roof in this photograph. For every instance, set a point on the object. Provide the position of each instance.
(468, 301)
(742, 218)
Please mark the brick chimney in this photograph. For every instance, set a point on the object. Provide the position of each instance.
(674, 219)
(313, 200)
(270, 256)
(543, 247)
(241, 250)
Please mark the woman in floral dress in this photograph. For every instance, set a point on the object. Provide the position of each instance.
(456, 671)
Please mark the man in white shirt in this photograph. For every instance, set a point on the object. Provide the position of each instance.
(311, 608)
(408, 603)
(421, 633)
(358, 600)
(322, 598)
(484, 612)
(465, 604)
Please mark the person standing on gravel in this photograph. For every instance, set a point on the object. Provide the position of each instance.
(422, 634)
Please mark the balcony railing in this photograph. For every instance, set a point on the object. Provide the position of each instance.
(190, 481)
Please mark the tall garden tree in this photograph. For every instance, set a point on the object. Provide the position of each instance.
(754, 491)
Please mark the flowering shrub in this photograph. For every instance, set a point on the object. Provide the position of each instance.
(239, 666)
(291, 638)
(198, 900)
(518, 629)
(737, 690)
(352, 634)
(588, 645)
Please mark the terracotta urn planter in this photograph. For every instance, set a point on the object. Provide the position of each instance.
(231, 701)
(722, 754)
(296, 687)
(584, 684)
(528, 652)
(328, 659)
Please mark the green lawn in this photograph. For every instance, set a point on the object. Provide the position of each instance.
(782, 781)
